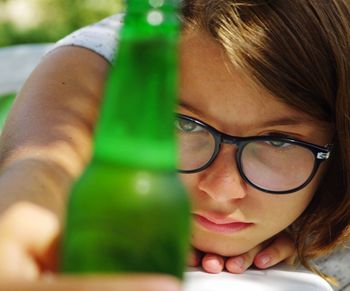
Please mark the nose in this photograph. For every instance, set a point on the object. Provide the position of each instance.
(222, 180)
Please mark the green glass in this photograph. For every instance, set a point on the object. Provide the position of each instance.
(5, 106)
(129, 212)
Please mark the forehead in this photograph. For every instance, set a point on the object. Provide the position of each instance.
(225, 95)
(209, 78)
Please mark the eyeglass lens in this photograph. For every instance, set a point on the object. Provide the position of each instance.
(270, 165)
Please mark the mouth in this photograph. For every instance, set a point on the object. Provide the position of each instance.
(221, 226)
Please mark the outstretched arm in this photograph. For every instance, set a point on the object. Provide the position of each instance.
(101, 283)
(45, 144)
(49, 128)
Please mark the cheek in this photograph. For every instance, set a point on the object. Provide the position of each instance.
(190, 182)
(197, 198)
(280, 211)
(185, 179)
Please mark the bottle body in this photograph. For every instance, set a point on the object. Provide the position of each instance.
(140, 223)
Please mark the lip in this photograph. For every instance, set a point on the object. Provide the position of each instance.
(221, 225)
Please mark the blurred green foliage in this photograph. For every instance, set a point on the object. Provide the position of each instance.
(52, 19)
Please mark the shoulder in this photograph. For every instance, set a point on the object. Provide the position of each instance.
(101, 37)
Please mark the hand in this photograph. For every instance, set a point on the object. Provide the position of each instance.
(28, 253)
(28, 236)
(263, 256)
(137, 282)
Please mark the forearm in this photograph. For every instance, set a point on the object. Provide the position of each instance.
(41, 182)
(32, 204)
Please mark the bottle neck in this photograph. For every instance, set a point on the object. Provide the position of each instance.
(146, 5)
(136, 125)
(151, 16)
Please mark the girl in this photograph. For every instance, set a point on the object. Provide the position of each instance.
(263, 100)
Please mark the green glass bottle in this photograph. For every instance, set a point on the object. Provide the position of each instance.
(129, 212)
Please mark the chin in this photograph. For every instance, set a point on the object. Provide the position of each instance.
(227, 247)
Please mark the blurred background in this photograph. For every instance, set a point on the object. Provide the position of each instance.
(29, 27)
(36, 21)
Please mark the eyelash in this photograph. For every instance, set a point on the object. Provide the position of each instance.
(284, 135)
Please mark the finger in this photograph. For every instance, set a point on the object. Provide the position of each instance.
(17, 222)
(194, 258)
(101, 283)
(49, 259)
(239, 264)
(16, 263)
(34, 229)
(280, 249)
(212, 263)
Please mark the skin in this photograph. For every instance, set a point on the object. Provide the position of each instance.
(139, 282)
(46, 143)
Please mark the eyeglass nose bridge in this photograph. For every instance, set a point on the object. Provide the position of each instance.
(230, 139)
(238, 142)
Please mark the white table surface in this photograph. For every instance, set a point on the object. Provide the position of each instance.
(280, 278)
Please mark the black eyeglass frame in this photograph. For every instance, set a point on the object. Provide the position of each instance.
(320, 153)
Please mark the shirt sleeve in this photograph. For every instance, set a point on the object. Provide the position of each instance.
(100, 37)
(337, 264)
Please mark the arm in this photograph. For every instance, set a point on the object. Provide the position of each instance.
(46, 141)
(93, 283)
(45, 144)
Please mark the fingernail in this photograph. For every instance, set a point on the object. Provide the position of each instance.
(265, 259)
(239, 262)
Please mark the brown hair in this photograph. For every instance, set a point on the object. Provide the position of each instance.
(299, 50)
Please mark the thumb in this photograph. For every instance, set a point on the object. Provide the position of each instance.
(28, 234)
(15, 262)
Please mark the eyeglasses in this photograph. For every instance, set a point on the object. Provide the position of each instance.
(273, 164)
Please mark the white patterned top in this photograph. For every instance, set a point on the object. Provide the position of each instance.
(102, 38)
(337, 265)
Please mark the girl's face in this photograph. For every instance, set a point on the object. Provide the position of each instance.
(230, 217)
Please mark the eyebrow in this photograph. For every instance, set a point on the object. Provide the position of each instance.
(291, 120)
(191, 108)
(295, 120)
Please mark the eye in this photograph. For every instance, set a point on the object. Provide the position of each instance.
(278, 143)
(187, 126)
